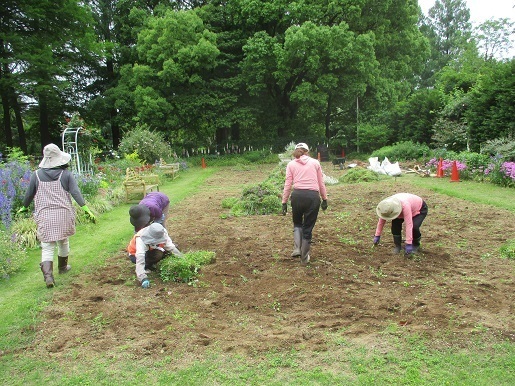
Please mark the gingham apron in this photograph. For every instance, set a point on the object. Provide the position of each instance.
(53, 211)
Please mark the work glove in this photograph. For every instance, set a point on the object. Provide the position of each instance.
(22, 210)
(376, 239)
(409, 249)
(89, 213)
(324, 204)
(145, 283)
(285, 209)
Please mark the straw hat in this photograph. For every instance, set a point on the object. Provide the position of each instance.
(140, 216)
(302, 145)
(53, 157)
(389, 209)
(154, 234)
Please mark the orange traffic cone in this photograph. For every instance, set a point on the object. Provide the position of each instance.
(439, 169)
(455, 175)
(203, 163)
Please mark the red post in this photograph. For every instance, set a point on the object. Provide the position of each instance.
(203, 163)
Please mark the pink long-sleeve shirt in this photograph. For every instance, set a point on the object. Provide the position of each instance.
(304, 173)
(411, 205)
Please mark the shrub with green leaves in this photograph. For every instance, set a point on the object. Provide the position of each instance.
(356, 175)
(403, 151)
(12, 257)
(186, 268)
(148, 145)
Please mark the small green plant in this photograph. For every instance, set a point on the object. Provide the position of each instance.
(24, 232)
(229, 202)
(507, 250)
(185, 268)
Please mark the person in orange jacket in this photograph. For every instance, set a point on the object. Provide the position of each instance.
(148, 247)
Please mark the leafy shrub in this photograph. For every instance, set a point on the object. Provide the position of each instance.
(356, 175)
(184, 269)
(24, 232)
(403, 151)
(148, 145)
(12, 257)
(502, 146)
(88, 184)
(508, 250)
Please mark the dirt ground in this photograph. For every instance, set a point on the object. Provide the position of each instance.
(256, 298)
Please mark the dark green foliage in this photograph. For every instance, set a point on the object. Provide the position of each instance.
(186, 268)
(502, 146)
(403, 151)
(356, 175)
(148, 145)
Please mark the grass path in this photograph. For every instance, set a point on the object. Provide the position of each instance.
(23, 295)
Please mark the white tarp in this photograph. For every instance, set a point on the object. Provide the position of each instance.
(385, 167)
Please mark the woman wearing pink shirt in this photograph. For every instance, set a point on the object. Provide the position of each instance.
(402, 207)
(305, 174)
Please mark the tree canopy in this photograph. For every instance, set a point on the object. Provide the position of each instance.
(255, 72)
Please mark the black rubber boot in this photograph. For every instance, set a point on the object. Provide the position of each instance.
(47, 267)
(63, 264)
(304, 251)
(297, 241)
(416, 245)
(397, 240)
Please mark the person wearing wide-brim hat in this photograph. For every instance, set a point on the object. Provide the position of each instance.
(402, 208)
(152, 208)
(51, 187)
(304, 174)
(148, 247)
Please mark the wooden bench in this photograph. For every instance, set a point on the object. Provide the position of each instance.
(171, 170)
(138, 183)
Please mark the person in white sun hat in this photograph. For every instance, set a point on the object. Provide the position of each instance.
(402, 208)
(305, 175)
(51, 187)
(149, 246)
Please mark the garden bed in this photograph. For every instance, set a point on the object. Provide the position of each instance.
(255, 297)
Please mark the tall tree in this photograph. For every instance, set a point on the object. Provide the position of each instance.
(449, 31)
(495, 37)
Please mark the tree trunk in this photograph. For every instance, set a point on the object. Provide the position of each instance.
(44, 132)
(8, 138)
(328, 118)
(19, 122)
